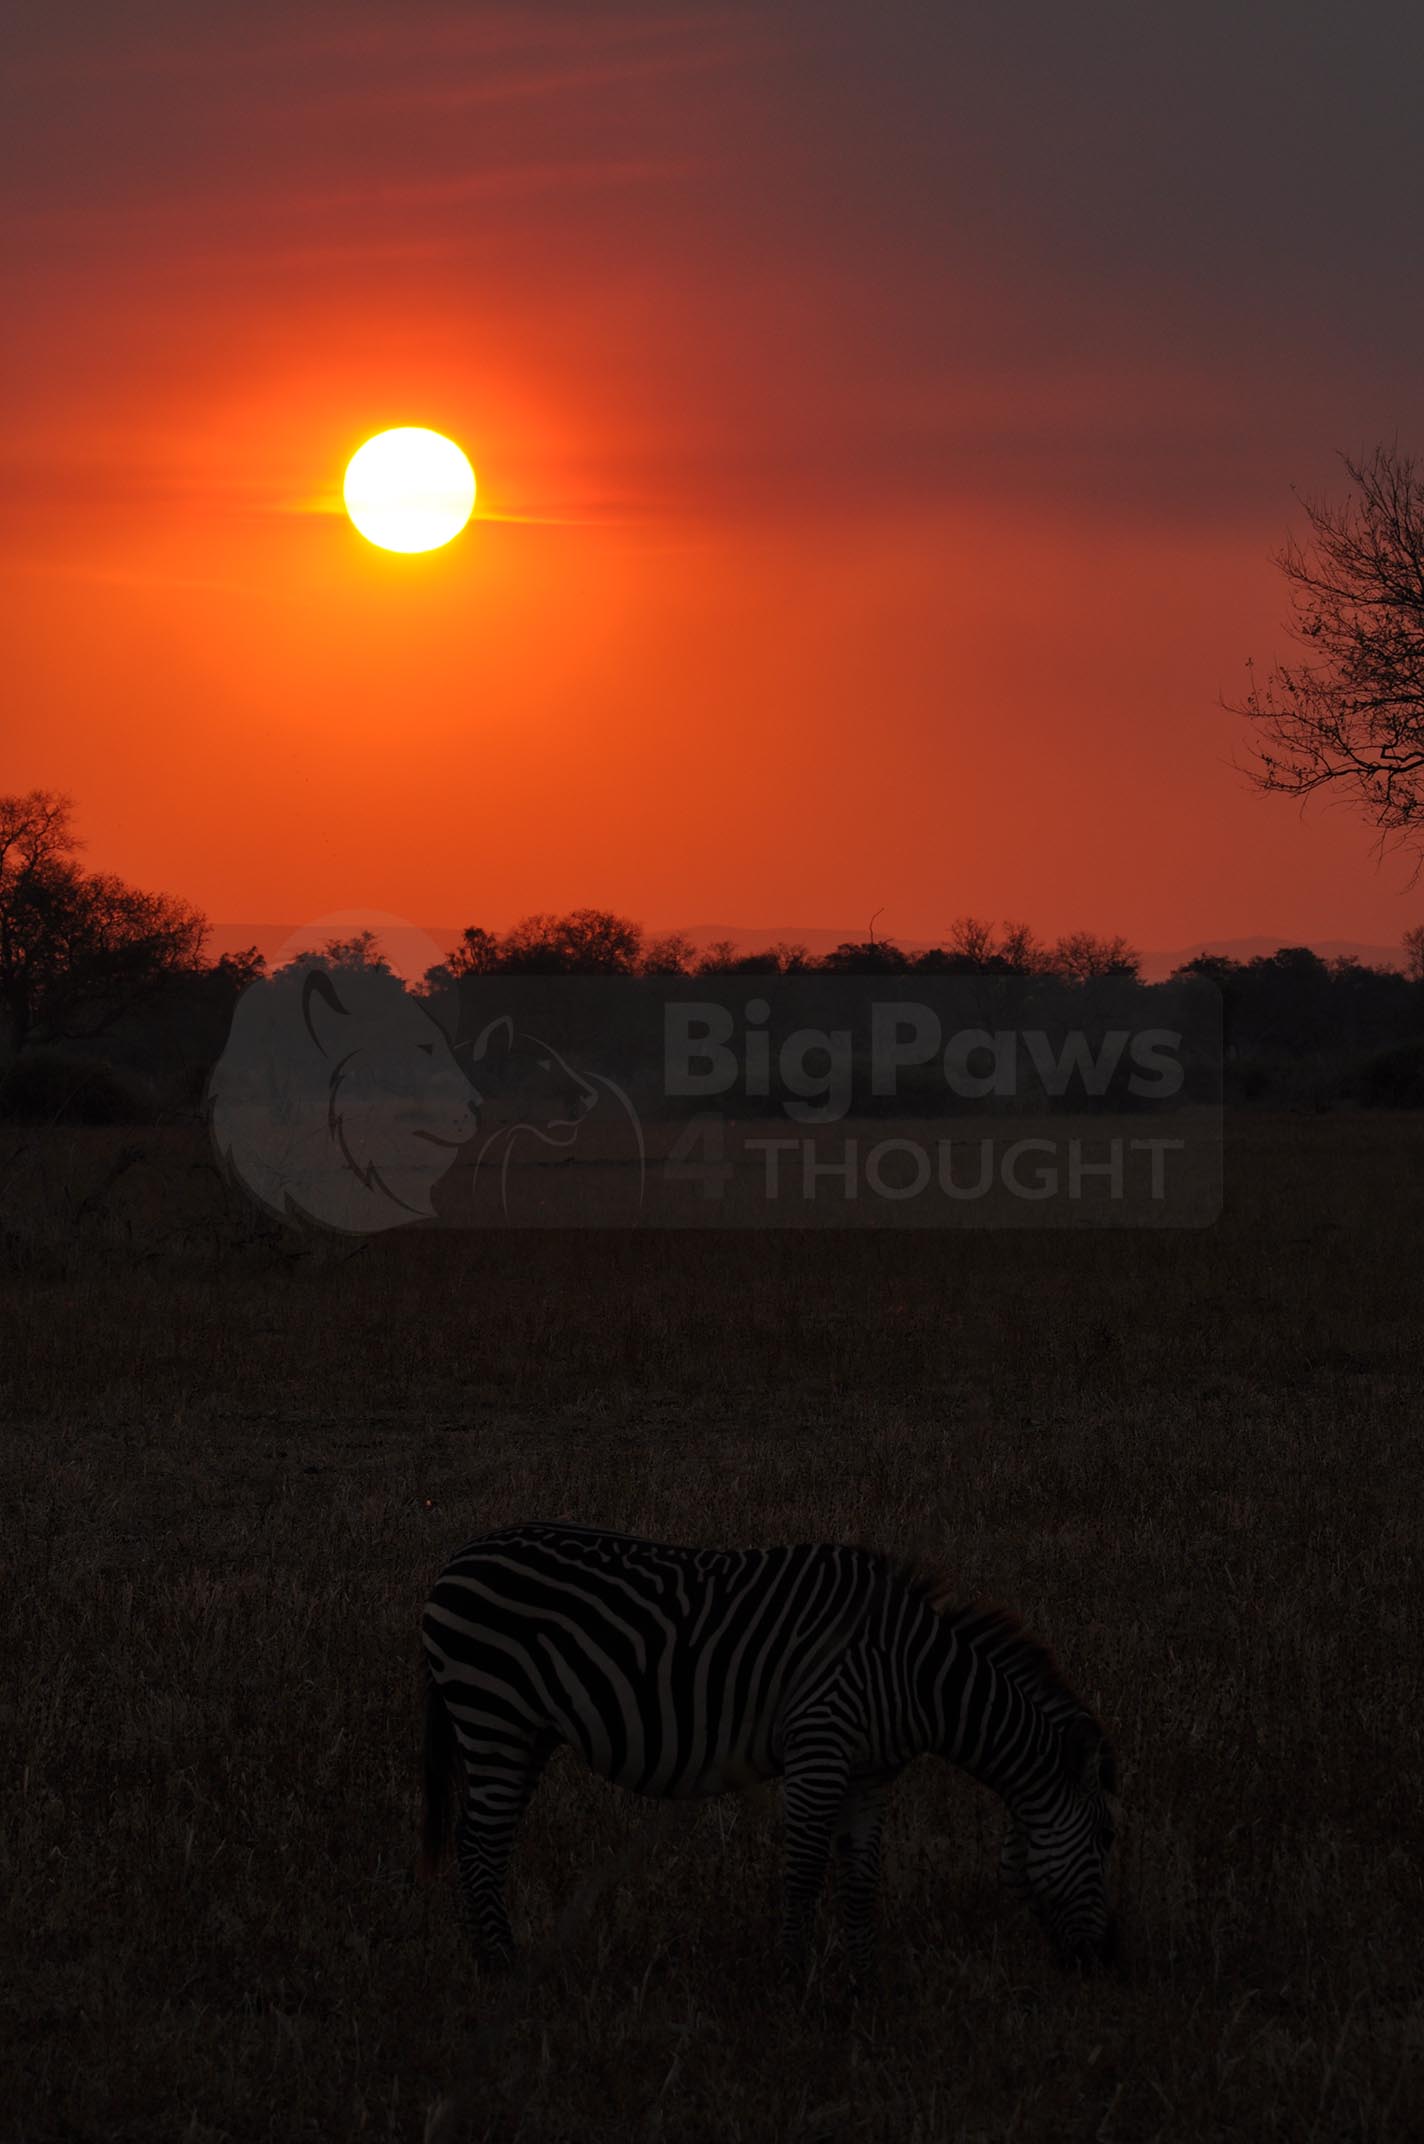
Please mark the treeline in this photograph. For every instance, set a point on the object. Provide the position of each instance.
(1297, 1029)
(592, 941)
(84, 958)
(109, 1006)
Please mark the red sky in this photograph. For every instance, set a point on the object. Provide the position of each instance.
(883, 422)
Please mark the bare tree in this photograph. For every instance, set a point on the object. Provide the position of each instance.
(1082, 957)
(1348, 718)
(1414, 953)
(1020, 950)
(971, 940)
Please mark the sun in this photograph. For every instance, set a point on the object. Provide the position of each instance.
(409, 490)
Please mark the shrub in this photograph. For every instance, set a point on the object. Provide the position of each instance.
(1393, 1079)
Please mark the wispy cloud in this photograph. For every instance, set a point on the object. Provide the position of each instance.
(212, 214)
(329, 504)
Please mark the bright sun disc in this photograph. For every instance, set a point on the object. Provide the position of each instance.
(409, 490)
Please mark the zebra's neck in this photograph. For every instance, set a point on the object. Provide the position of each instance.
(995, 1701)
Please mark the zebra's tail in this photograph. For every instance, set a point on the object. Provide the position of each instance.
(439, 1770)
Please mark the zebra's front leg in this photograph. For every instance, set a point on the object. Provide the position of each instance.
(499, 1781)
(815, 1788)
(859, 1828)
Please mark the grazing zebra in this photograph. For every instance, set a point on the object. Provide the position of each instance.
(683, 1672)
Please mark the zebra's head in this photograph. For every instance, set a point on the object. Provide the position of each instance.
(1058, 1846)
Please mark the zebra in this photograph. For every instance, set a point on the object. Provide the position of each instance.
(685, 1672)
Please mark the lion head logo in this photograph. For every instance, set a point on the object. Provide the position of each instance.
(338, 1100)
(530, 1093)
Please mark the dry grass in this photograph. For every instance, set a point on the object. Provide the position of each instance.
(1192, 1461)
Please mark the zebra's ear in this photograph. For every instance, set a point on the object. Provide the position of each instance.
(1088, 1758)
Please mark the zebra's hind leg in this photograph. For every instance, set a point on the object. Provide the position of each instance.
(500, 1778)
(859, 1827)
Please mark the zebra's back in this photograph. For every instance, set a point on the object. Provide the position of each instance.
(668, 1669)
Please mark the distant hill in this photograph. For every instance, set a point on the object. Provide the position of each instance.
(408, 957)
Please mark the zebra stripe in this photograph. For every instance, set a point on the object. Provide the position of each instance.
(681, 1672)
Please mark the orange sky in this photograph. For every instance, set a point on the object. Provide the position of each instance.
(893, 419)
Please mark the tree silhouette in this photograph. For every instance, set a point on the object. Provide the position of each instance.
(719, 958)
(1020, 950)
(1082, 957)
(586, 941)
(476, 954)
(972, 949)
(78, 949)
(1349, 717)
(673, 954)
(971, 942)
(361, 953)
(871, 956)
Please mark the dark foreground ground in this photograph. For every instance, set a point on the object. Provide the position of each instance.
(1192, 1461)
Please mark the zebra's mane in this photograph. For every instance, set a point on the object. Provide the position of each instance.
(1026, 1658)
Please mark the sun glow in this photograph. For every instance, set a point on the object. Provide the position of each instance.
(409, 490)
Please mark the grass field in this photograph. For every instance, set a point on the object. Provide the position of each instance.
(1192, 1460)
